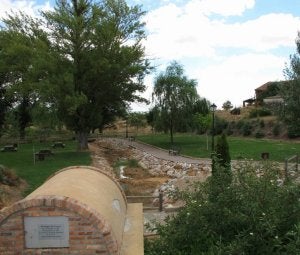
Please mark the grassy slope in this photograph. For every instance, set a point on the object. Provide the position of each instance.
(196, 146)
(35, 173)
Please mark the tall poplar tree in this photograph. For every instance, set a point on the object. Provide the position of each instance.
(101, 62)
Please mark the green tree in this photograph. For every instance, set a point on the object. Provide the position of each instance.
(100, 61)
(290, 92)
(249, 215)
(174, 96)
(222, 151)
(22, 60)
(137, 120)
(227, 105)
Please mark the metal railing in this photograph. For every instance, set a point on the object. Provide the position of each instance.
(142, 198)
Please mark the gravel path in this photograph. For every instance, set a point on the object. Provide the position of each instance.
(164, 154)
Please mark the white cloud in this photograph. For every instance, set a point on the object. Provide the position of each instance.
(236, 77)
(221, 7)
(178, 32)
(26, 6)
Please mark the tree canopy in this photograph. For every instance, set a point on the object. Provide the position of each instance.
(291, 94)
(174, 96)
(91, 61)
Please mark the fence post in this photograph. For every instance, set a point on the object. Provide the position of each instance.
(160, 201)
(286, 169)
(297, 158)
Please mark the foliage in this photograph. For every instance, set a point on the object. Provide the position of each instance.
(247, 128)
(259, 134)
(87, 65)
(174, 96)
(137, 120)
(227, 105)
(259, 112)
(249, 215)
(222, 152)
(220, 125)
(201, 123)
(19, 61)
(8, 177)
(276, 129)
(290, 112)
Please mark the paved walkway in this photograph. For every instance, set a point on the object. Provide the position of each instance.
(164, 154)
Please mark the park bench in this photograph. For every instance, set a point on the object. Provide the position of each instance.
(58, 145)
(42, 154)
(174, 150)
(8, 148)
(131, 138)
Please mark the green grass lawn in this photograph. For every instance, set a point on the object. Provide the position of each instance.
(196, 146)
(36, 172)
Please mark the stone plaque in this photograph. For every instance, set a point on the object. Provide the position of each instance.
(46, 232)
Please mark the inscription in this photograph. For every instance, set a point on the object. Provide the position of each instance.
(46, 232)
(54, 232)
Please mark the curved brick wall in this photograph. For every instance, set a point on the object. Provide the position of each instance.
(93, 202)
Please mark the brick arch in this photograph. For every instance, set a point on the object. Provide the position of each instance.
(70, 204)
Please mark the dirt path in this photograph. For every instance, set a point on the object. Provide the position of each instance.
(138, 182)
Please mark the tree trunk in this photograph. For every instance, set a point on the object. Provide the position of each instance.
(82, 138)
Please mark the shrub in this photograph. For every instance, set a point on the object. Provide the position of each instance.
(293, 131)
(220, 125)
(276, 129)
(8, 177)
(249, 215)
(260, 112)
(262, 124)
(259, 134)
(247, 129)
(222, 151)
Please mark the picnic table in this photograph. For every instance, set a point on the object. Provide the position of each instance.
(8, 148)
(58, 145)
(42, 154)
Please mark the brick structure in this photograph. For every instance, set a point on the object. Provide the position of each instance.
(93, 213)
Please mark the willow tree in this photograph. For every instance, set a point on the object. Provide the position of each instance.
(99, 63)
(174, 96)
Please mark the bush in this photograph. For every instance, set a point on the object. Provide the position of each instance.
(8, 177)
(276, 129)
(247, 129)
(220, 125)
(260, 112)
(249, 215)
(293, 131)
(259, 134)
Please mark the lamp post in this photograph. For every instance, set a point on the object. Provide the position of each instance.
(213, 108)
(126, 133)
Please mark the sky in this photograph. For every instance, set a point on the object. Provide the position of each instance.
(230, 47)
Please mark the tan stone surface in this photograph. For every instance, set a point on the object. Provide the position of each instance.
(133, 243)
